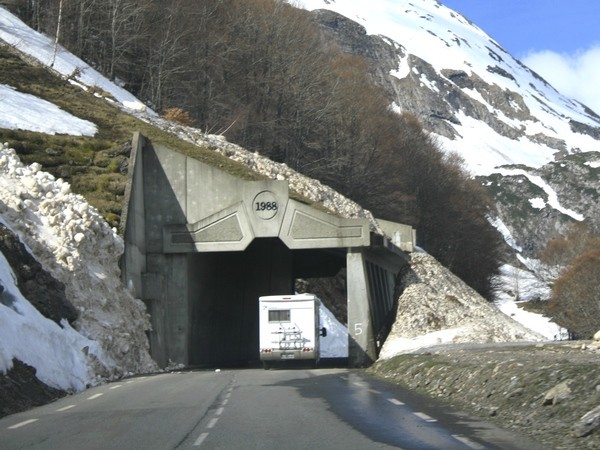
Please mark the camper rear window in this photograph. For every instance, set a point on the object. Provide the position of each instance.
(279, 315)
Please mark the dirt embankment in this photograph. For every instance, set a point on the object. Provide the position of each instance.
(550, 392)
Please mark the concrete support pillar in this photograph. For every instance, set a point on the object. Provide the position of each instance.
(361, 345)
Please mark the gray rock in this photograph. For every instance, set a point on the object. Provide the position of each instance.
(588, 423)
(557, 394)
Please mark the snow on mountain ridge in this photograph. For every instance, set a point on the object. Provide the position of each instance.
(444, 38)
(540, 125)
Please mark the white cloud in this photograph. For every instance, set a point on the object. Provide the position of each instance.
(574, 75)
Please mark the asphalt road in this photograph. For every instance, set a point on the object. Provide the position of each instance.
(251, 409)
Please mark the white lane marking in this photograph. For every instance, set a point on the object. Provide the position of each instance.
(22, 424)
(395, 401)
(224, 402)
(200, 439)
(116, 386)
(374, 391)
(219, 411)
(64, 408)
(468, 442)
(212, 423)
(425, 417)
(95, 396)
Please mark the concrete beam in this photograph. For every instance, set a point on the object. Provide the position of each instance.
(227, 230)
(306, 227)
(402, 236)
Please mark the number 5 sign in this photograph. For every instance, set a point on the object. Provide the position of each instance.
(358, 328)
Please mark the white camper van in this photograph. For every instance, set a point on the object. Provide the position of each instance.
(289, 328)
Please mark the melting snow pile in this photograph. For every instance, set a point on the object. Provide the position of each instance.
(335, 344)
(74, 244)
(436, 308)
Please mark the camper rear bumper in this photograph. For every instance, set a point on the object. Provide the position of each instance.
(283, 355)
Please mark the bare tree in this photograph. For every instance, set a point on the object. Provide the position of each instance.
(57, 35)
(168, 51)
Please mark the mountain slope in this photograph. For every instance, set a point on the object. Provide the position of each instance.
(481, 103)
(468, 90)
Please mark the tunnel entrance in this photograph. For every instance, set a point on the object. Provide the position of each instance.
(224, 289)
(224, 299)
(202, 245)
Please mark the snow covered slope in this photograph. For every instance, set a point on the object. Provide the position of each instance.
(479, 100)
(535, 150)
(41, 49)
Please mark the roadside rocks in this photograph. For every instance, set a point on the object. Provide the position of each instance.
(20, 390)
(549, 391)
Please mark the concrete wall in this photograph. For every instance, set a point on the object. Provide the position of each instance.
(402, 236)
(133, 220)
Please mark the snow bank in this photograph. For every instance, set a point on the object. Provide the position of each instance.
(335, 344)
(73, 243)
(59, 354)
(526, 286)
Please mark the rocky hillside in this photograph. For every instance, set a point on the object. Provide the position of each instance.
(527, 206)
(437, 65)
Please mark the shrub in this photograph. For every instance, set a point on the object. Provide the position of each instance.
(575, 302)
(178, 115)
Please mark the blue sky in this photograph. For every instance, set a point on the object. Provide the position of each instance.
(523, 26)
(559, 39)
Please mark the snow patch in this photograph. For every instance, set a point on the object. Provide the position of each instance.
(552, 195)
(335, 344)
(537, 203)
(22, 111)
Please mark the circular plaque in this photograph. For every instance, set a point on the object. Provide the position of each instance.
(265, 205)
